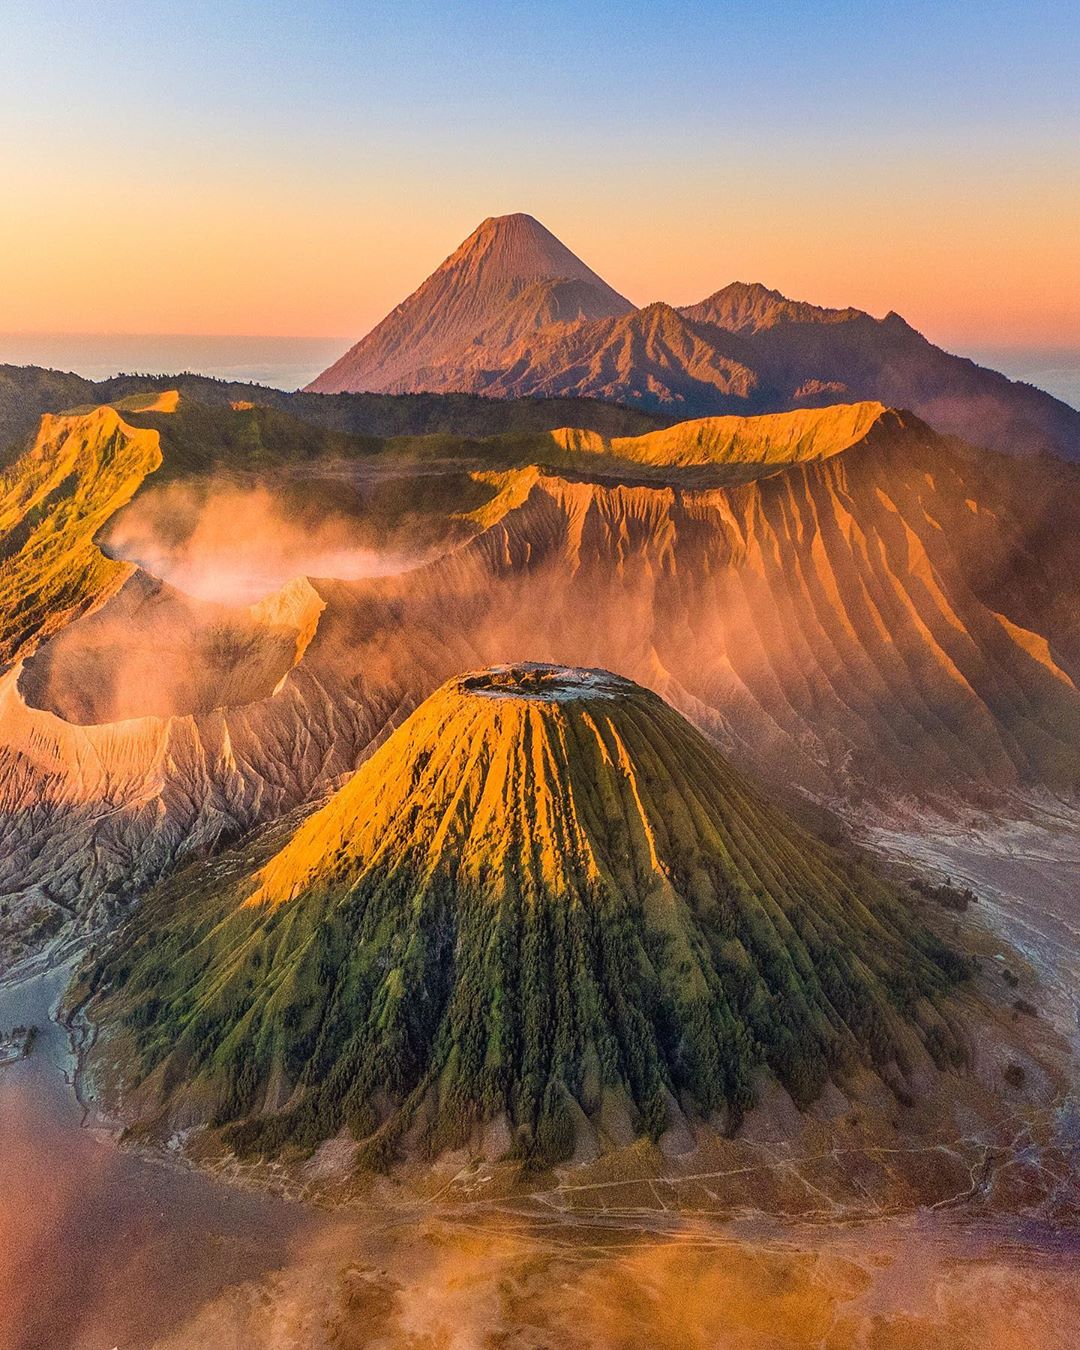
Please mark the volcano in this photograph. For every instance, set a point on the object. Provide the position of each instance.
(546, 905)
(509, 277)
(832, 595)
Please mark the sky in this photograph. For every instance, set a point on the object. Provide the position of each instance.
(298, 168)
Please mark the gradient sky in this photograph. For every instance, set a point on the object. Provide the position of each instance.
(297, 168)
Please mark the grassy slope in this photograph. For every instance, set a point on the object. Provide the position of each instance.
(525, 908)
(28, 391)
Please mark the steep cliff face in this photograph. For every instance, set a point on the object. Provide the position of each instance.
(546, 900)
(78, 473)
(851, 619)
(90, 815)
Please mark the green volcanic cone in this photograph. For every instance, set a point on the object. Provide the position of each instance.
(544, 895)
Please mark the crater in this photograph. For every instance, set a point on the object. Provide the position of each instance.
(152, 651)
(542, 683)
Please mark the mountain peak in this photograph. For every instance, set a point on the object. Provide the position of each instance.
(748, 307)
(467, 299)
(517, 248)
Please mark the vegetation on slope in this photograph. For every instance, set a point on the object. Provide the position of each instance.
(545, 901)
(27, 392)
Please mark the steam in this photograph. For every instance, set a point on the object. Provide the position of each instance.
(200, 641)
(153, 651)
(235, 545)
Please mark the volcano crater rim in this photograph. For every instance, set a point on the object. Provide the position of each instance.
(544, 682)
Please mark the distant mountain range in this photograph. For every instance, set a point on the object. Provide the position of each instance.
(513, 313)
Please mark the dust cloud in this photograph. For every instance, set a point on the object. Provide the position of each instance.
(100, 1247)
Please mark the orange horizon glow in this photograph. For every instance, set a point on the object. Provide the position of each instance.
(154, 259)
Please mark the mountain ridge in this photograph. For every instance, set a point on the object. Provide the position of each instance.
(743, 348)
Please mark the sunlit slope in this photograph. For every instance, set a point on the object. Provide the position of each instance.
(897, 615)
(748, 445)
(546, 901)
(79, 471)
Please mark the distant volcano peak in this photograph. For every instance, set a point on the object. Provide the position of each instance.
(469, 301)
(512, 313)
(518, 247)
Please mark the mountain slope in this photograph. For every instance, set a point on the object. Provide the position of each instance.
(815, 356)
(546, 900)
(743, 349)
(28, 392)
(78, 473)
(750, 446)
(652, 358)
(509, 263)
(749, 308)
(897, 615)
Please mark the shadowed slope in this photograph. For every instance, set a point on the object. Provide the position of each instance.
(651, 358)
(812, 355)
(546, 900)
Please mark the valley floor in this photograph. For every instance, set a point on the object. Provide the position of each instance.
(105, 1246)
(1026, 872)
